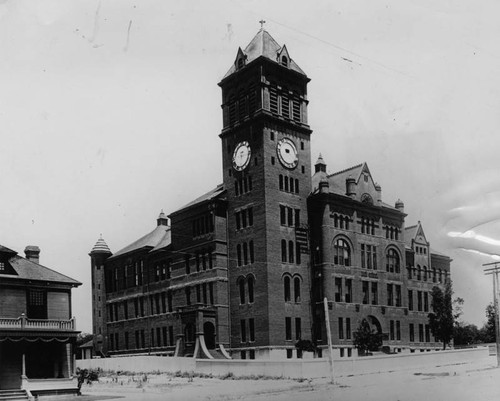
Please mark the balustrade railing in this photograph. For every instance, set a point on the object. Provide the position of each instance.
(23, 323)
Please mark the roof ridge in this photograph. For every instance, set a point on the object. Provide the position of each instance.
(347, 169)
(413, 226)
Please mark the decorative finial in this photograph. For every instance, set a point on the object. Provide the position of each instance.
(262, 22)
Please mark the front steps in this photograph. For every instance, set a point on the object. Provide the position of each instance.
(13, 395)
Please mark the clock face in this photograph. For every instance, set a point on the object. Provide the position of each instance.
(287, 153)
(241, 156)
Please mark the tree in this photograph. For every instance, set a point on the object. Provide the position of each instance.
(487, 332)
(366, 339)
(465, 334)
(441, 320)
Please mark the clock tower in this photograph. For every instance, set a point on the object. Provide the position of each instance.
(266, 170)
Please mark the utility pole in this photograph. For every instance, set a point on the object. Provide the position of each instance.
(493, 271)
(329, 336)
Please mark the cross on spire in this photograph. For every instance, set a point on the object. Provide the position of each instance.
(262, 22)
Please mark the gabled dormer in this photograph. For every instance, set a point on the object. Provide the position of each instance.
(283, 57)
(241, 59)
(5, 265)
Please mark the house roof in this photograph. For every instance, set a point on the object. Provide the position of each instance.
(160, 235)
(212, 194)
(7, 250)
(263, 44)
(27, 270)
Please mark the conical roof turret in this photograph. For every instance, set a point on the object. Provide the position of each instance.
(100, 247)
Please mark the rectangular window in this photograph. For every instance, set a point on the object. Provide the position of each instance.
(348, 290)
(391, 330)
(412, 332)
(251, 329)
(188, 267)
(282, 215)
(390, 296)
(244, 218)
(125, 310)
(369, 256)
(363, 257)
(158, 337)
(374, 293)
(137, 343)
(427, 333)
(165, 337)
(250, 216)
(290, 216)
(421, 333)
(341, 328)
(365, 292)
(288, 328)
(126, 341)
(398, 330)
(238, 220)
(297, 217)
(188, 296)
(419, 301)
(338, 289)
(374, 256)
(298, 328)
(348, 328)
(171, 335)
(426, 302)
(410, 299)
(398, 295)
(243, 329)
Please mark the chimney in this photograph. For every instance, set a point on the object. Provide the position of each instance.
(350, 184)
(32, 253)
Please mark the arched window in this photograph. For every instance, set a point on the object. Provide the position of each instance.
(283, 250)
(296, 185)
(342, 253)
(286, 183)
(291, 250)
(238, 251)
(419, 273)
(291, 185)
(250, 282)
(241, 284)
(280, 182)
(347, 223)
(284, 61)
(286, 288)
(296, 289)
(392, 260)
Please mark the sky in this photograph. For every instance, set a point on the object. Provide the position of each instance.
(110, 112)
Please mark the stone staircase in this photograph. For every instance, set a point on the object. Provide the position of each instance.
(13, 395)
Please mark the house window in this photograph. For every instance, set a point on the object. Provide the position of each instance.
(348, 290)
(341, 328)
(398, 295)
(392, 264)
(241, 285)
(391, 330)
(398, 330)
(286, 288)
(342, 253)
(338, 289)
(283, 250)
(412, 332)
(243, 331)
(296, 287)
(374, 293)
(251, 329)
(291, 251)
(282, 215)
(348, 328)
(426, 302)
(298, 328)
(410, 299)
(390, 295)
(288, 328)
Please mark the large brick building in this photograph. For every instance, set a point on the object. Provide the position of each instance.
(245, 267)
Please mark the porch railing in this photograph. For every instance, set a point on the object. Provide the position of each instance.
(24, 323)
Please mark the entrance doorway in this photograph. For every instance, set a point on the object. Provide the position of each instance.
(209, 334)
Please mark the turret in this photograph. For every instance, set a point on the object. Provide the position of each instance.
(98, 255)
(350, 184)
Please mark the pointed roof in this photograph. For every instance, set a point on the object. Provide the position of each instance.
(263, 45)
(26, 269)
(100, 247)
(160, 235)
(413, 232)
(4, 249)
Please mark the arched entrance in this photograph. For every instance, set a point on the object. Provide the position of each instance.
(209, 334)
(374, 324)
